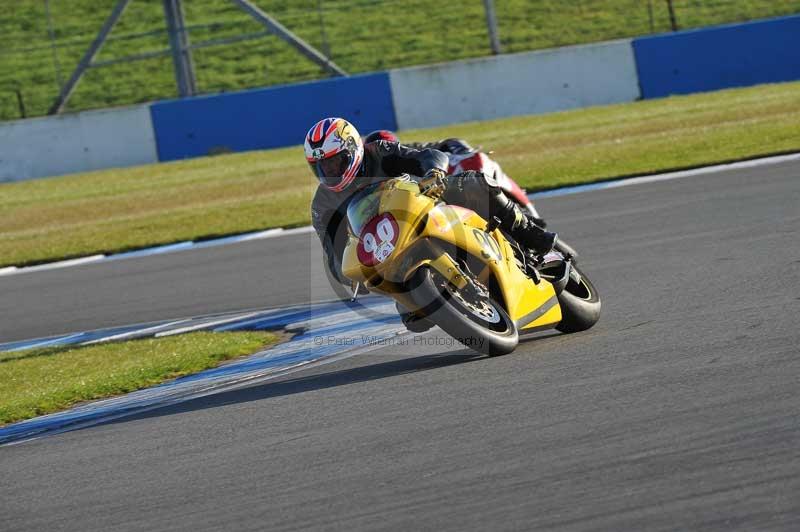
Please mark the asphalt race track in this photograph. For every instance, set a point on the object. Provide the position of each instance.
(275, 272)
(679, 410)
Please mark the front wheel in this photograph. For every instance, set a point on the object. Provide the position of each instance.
(580, 303)
(477, 322)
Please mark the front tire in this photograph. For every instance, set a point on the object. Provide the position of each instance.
(481, 325)
(580, 303)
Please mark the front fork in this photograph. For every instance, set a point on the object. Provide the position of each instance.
(443, 264)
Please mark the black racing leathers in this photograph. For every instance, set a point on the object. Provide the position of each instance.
(450, 145)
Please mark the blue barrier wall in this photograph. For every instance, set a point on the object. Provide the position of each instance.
(268, 118)
(677, 63)
(718, 58)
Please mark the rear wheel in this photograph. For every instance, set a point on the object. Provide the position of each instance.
(580, 303)
(470, 317)
(566, 250)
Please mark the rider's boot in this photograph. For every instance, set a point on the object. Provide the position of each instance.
(533, 215)
(526, 232)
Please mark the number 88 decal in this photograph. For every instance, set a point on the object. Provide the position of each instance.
(377, 240)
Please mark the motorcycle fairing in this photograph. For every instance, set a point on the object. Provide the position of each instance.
(425, 228)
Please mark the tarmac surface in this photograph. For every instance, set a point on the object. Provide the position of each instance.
(679, 410)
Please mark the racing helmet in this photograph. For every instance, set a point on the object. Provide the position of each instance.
(334, 151)
(381, 134)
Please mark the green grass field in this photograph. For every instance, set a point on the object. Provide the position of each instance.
(34, 382)
(360, 35)
(116, 210)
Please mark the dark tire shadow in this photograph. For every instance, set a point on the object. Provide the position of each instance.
(527, 337)
(284, 386)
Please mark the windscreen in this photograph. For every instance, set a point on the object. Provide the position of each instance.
(364, 207)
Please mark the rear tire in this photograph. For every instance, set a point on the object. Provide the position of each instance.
(580, 304)
(486, 328)
(566, 250)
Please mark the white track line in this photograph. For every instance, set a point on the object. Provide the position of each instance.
(134, 332)
(206, 324)
(269, 233)
(588, 187)
(54, 265)
(66, 263)
(297, 231)
(680, 174)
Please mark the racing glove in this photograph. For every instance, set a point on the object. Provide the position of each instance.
(433, 183)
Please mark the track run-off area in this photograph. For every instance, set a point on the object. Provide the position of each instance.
(678, 410)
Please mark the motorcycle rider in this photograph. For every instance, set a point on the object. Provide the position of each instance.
(463, 156)
(343, 164)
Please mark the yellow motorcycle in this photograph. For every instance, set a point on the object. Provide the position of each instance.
(446, 264)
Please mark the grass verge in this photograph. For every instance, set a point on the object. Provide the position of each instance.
(117, 210)
(34, 382)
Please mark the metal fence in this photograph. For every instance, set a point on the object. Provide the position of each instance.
(42, 41)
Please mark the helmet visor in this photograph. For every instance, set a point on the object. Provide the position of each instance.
(330, 171)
